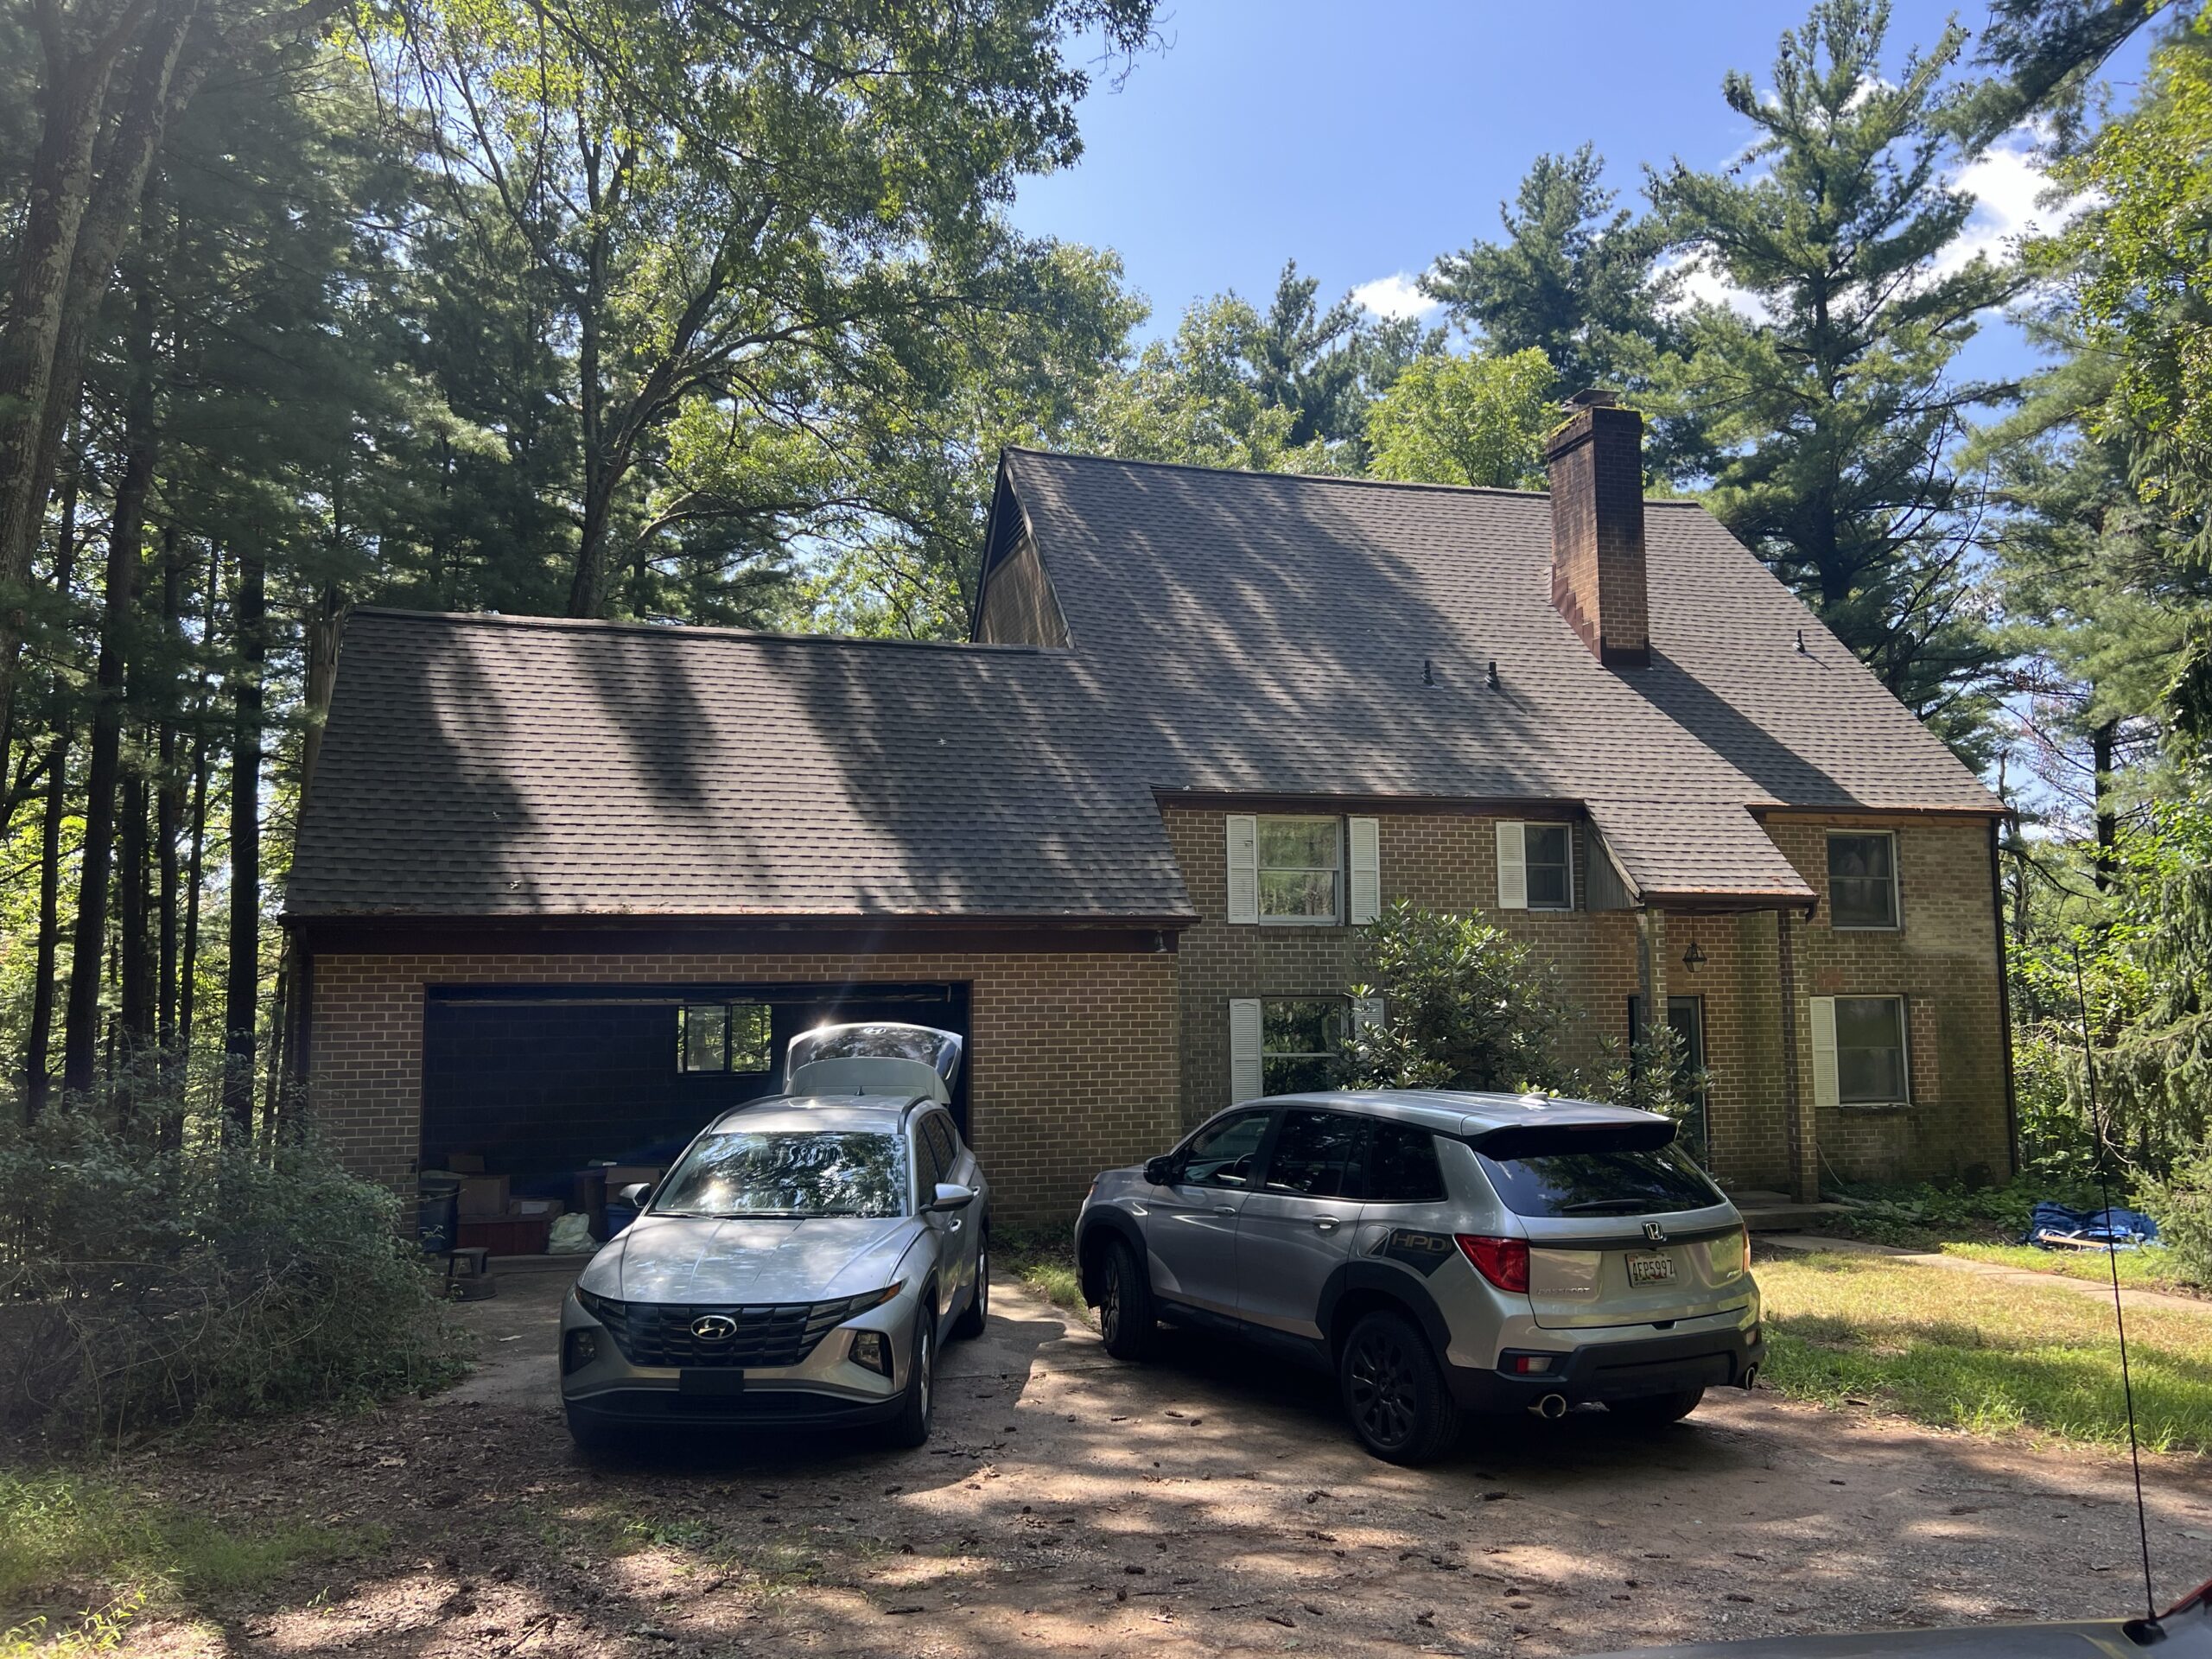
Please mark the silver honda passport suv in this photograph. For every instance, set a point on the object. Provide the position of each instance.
(1438, 1253)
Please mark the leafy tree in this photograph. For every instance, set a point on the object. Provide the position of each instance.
(1572, 278)
(2047, 53)
(1467, 1004)
(1466, 420)
(1834, 411)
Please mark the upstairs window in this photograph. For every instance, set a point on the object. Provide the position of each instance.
(1535, 867)
(1298, 864)
(1862, 881)
(725, 1037)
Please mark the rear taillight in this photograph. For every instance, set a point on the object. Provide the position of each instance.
(1503, 1262)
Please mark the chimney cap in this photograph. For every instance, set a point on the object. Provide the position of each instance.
(1594, 397)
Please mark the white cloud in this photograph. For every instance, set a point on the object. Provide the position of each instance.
(2010, 193)
(1696, 283)
(1394, 296)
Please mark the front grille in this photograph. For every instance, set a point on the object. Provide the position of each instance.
(769, 1334)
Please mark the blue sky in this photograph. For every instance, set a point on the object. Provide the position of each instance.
(1364, 138)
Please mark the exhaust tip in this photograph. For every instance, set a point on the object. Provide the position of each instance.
(1750, 1378)
(1551, 1408)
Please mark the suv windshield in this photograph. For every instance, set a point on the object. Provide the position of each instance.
(789, 1172)
(1617, 1181)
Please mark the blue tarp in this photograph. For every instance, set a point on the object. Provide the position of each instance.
(2123, 1229)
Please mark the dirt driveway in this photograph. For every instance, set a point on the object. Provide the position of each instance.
(1207, 1502)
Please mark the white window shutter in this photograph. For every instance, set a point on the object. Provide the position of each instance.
(1367, 1014)
(1366, 888)
(1512, 867)
(1827, 1091)
(1243, 869)
(1247, 1076)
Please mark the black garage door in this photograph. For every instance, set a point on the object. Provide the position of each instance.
(541, 1081)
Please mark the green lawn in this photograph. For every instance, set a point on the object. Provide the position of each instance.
(2139, 1269)
(1993, 1356)
(93, 1555)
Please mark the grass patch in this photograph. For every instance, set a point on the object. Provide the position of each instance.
(2139, 1269)
(74, 1537)
(1042, 1261)
(1995, 1356)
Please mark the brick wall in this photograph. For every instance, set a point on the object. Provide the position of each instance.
(1070, 1061)
(1942, 960)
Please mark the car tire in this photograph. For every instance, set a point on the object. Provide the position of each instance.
(1126, 1317)
(910, 1427)
(1655, 1410)
(977, 1313)
(1394, 1390)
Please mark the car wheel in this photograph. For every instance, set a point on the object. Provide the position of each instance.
(1658, 1408)
(911, 1426)
(978, 1311)
(1393, 1391)
(1125, 1313)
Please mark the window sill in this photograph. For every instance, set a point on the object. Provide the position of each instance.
(1292, 921)
(1874, 1107)
(1866, 927)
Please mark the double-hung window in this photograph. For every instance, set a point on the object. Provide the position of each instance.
(1303, 871)
(1861, 1052)
(1535, 867)
(1862, 880)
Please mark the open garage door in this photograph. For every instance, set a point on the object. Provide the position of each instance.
(541, 1082)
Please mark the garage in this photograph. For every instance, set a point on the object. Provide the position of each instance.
(532, 1087)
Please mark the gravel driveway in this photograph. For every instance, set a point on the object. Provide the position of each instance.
(1206, 1502)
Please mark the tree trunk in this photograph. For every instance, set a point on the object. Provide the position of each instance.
(36, 1083)
(168, 823)
(195, 861)
(2102, 743)
(126, 526)
(242, 980)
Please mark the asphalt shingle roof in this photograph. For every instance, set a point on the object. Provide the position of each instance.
(1229, 632)
(483, 766)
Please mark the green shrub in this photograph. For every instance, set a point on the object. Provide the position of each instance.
(2182, 1206)
(1466, 1006)
(142, 1285)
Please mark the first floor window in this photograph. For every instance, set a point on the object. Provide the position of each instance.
(1860, 1054)
(725, 1037)
(1301, 1044)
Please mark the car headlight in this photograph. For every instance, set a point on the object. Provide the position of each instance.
(600, 1308)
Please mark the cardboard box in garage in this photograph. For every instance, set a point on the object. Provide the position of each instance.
(483, 1197)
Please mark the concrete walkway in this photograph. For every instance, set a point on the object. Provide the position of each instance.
(2101, 1288)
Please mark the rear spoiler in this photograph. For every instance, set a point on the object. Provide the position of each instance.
(1508, 1141)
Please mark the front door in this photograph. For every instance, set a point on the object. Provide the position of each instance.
(1297, 1228)
(1686, 1018)
(1189, 1227)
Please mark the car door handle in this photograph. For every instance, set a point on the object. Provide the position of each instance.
(1224, 1209)
(1327, 1223)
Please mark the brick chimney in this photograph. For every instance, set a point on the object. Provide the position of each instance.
(1597, 478)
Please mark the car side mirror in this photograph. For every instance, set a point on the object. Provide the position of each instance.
(635, 1194)
(950, 1196)
(1160, 1171)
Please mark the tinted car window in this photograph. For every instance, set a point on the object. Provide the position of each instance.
(1222, 1155)
(943, 1141)
(1623, 1182)
(1401, 1166)
(931, 1163)
(1317, 1155)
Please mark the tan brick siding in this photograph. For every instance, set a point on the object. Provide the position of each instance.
(1942, 960)
(1071, 1058)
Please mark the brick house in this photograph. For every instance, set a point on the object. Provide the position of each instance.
(562, 888)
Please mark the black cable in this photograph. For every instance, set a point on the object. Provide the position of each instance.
(2119, 1306)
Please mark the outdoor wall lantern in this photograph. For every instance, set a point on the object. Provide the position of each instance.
(1694, 958)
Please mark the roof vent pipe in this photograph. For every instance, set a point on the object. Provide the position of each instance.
(1596, 461)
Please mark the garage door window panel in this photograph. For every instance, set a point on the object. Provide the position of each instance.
(727, 1038)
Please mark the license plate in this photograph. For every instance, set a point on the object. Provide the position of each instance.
(1650, 1269)
(698, 1380)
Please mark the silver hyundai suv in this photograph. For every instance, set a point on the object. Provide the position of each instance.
(1437, 1252)
(803, 1260)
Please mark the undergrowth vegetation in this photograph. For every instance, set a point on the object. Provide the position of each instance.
(142, 1284)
